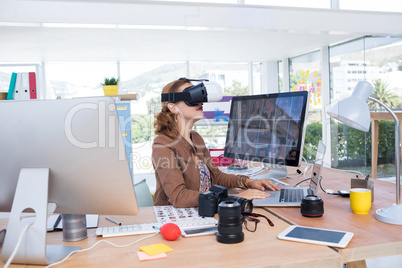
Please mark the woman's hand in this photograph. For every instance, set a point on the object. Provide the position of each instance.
(251, 194)
(264, 184)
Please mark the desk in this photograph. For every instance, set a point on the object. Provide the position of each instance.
(260, 248)
(375, 118)
(372, 239)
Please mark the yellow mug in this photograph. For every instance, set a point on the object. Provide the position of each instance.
(360, 200)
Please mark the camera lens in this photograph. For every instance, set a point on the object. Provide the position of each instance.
(229, 224)
(245, 204)
(312, 206)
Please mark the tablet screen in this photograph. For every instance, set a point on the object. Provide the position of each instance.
(316, 234)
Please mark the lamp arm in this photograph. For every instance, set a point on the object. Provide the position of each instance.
(397, 148)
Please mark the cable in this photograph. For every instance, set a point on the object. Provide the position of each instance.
(298, 172)
(319, 182)
(106, 241)
(17, 246)
(301, 182)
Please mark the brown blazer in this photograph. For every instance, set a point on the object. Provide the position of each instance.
(177, 174)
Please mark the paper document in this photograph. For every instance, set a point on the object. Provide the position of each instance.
(246, 172)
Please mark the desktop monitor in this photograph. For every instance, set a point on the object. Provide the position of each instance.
(67, 151)
(268, 128)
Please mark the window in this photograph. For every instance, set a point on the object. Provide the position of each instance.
(377, 60)
(305, 74)
(233, 77)
(146, 79)
(234, 80)
(372, 5)
(78, 79)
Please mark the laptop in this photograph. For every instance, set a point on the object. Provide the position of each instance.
(292, 196)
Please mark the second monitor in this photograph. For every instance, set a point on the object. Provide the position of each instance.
(268, 128)
(67, 152)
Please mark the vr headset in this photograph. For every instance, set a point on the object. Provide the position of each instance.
(203, 92)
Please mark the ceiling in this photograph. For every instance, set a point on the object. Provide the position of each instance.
(35, 31)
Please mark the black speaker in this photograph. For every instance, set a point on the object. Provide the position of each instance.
(312, 206)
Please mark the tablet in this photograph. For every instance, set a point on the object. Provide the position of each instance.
(332, 238)
(199, 231)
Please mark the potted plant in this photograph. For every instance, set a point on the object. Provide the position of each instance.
(111, 86)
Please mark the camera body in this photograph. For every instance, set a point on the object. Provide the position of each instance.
(208, 201)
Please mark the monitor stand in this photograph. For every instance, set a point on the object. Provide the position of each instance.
(32, 193)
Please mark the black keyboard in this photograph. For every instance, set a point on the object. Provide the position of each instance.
(291, 195)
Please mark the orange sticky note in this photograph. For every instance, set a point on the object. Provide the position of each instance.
(156, 249)
(142, 256)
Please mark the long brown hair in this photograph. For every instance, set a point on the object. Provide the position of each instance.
(165, 121)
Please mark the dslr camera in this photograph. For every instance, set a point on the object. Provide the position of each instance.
(208, 201)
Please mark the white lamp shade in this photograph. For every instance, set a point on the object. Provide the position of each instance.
(353, 111)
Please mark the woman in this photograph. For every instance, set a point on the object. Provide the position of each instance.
(182, 163)
(256, 109)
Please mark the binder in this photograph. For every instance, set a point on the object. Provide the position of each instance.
(32, 85)
(24, 92)
(22, 86)
(12, 86)
(17, 88)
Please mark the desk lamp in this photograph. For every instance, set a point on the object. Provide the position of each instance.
(354, 112)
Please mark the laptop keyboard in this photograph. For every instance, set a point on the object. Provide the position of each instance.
(291, 195)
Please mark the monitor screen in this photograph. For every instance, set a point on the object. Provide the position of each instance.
(267, 128)
(80, 141)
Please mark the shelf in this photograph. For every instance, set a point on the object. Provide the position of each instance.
(124, 97)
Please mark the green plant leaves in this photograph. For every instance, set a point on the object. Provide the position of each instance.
(111, 81)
